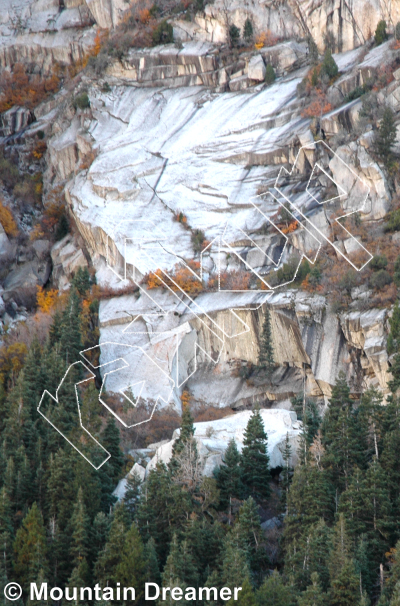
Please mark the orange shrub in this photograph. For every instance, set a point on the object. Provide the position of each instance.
(317, 107)
(7, 220)
(19, 88)
(181, 278)
(144, 16)
(290, 228)
(265, 39)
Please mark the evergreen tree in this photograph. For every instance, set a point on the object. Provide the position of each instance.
(132, 493)
(275, 592)
(131, 569)
(163, 509)
(235, 568)
(313, 51)
(386, 137)
(180, 570)
(246, 596)
(329, 66)
(229, 475)
(79, 531)
(204, 542)
(286, 471)
(30, 548)
(70, 329)
(186, 431)
(110, 556)
(266, 353)
(110, 439)
(255, 459)
(248, 30)
(341, 435)
(270, 75)
(152, 571)
(98, 533)
(380, 32)
(313, 595)
(251, 535)
(81, 281)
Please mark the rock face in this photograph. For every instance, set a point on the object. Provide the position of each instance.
(206, 154)
(212, 439)
(169, 348)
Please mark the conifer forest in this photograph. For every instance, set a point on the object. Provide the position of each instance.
(61, 524)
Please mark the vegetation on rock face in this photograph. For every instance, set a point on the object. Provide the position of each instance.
(248, 30)
(386, 137)
(270, 74)
(163, 33)
(266, 354)
(234, 35)
(380, 32)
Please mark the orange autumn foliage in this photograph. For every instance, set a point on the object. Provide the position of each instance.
(46, 299)
(265, 39)
(7, 221)
(317, 107)
(180, 279)
(144, 16)
(290, 228)
(19, 88)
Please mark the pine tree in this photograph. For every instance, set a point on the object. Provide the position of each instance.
(345, 586)
(110, 556)
(286, 471)
(6, 534)
(98, 534)
(246, 596)
(30, 548)
(395, 600)
(275, 592)
(163, 508)
(380, 32)
(235, 568)
(251, 535)
(130, 571)
(186, 431)
(152, 571)
(270, 75)
(132, 493)
(266, 354)
(329, 66)
(70, 329)
(180, 564)
(313, 51)
(79, 531)
(229, 475)
(313, 595)
(341, 435)
(386, 137)
(255, 459)
(204, 541)
(248, 30)
(81, 281)
(110, 440)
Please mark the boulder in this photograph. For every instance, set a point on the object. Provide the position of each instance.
(212, 438)
(256, 69)
(67, 257)
(22, 282)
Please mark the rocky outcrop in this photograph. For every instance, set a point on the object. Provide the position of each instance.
(67, 257)
(212, 439)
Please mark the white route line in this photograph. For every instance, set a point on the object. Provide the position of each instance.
(153, 240)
